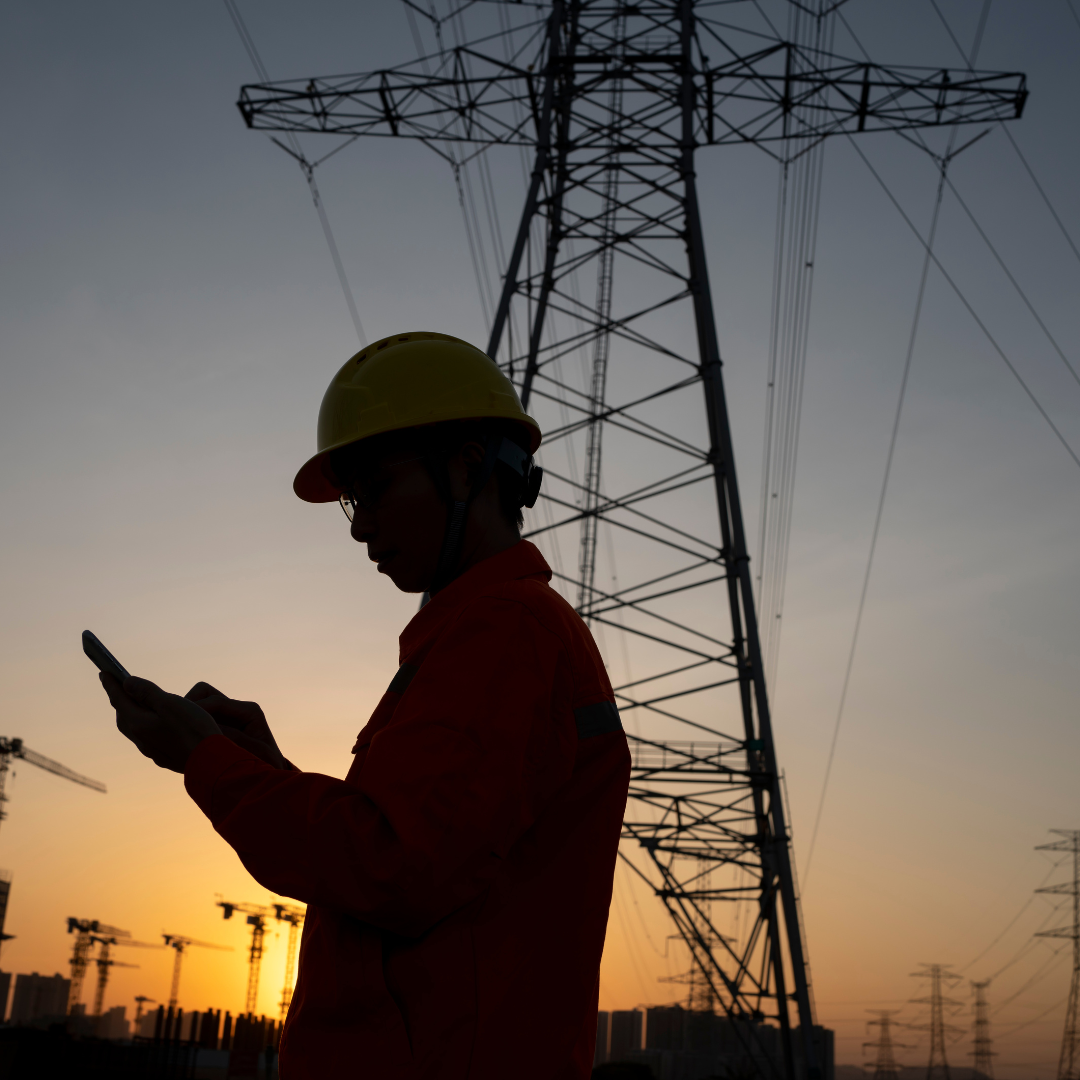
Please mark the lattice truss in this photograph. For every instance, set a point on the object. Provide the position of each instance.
(605, 324)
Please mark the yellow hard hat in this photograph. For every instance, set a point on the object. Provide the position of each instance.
(405, 381)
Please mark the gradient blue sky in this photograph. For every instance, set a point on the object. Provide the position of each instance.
(169, 318)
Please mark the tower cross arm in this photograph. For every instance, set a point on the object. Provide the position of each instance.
(1060, 932)
(485, 101)
(1065, 888)
(786, 91)
(779, 92)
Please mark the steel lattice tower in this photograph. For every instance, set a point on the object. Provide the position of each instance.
(940, 976)
(983, 1053)
(1069, 1062)
(885, 1067)
(612, 101)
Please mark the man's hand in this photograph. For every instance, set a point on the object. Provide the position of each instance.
(165, 727)
(241, 721)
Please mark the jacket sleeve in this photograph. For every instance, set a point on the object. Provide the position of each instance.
(478, 744)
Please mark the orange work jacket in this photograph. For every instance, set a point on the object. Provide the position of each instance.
(458, 879)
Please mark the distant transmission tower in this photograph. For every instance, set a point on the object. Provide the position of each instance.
(937, 1067)
(983, 1053)
(605, 323)
(884, 1066)
(1069, 1062)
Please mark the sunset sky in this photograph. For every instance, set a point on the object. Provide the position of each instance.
(169, 320)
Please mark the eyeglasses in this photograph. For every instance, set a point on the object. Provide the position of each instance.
(366, 494)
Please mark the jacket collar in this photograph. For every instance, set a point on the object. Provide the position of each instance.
(523, 560)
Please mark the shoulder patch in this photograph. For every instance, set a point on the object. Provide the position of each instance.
(400, 682)
(598, 719)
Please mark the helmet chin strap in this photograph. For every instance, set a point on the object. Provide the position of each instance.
(454, 537)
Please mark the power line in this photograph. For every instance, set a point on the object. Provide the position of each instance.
(971, 311)
(797, 215)
(1012, 141)
(1035, 1020)
(1051, 962)
(306, 167)
(877, 519)
(929, 245)
(1009, 925)
(1072, 11)
(1015, 284)
(1046, 198)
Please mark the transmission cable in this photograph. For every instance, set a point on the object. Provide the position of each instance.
(1051, 962)
(797, 217)
(1016, 285)
(1009, 136)
(1027, 1023)
(306, 167)
(971, 311)
(1009, 925)
(877, 522)
(1039, 188)
(458, 165)
(929, 245)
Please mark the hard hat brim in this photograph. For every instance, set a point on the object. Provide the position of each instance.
(316, 482)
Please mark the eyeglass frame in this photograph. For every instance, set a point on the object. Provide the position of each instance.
(348, 495)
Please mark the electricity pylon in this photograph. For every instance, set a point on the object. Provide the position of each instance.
(885, 1066)
(983, 1053)
(1069, 1062)
(940, 976)
(294, 916)
(613, 100)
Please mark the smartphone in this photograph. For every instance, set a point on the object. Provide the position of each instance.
(102, 657)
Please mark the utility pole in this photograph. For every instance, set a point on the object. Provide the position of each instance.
(983, 1053)
(612, 101)
(940, 977)
(1069, 1062)
(885, 1067)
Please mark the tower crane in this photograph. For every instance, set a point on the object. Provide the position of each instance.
(294, 916)
(140, 1001)
(257, 914)
(10, 748)
(86, 931)
(105, 961)
(180, 943)
(13, 748)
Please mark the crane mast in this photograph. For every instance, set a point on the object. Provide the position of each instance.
(257, 915)
(180, 943)
(294, 917)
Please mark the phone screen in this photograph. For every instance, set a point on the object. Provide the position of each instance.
(102, 657)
